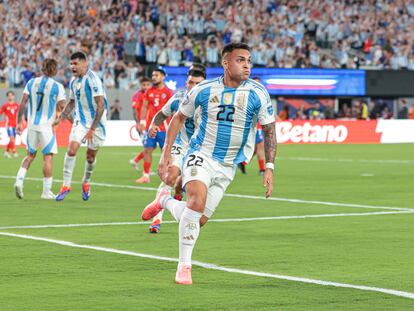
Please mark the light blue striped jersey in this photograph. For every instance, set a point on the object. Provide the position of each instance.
(229, 117)
(171, 107)
(82, 91)
(44, 93)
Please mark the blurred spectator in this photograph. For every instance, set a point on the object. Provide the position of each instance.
(402, 110)
(115, 110)
(411, 114)
(287, 34)
(284, 114)
(329, 110)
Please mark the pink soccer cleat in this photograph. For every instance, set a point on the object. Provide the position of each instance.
(152, 209)
(183, 275)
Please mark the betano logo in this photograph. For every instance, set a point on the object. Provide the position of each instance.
(308, 133)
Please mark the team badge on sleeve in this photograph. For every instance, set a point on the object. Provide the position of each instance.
(270, 110)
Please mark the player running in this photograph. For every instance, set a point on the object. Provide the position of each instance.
(230, 108)
(155, 98)
(88, 100)
(137, 102)
(45, 96)
(172, 178)
(10, 109)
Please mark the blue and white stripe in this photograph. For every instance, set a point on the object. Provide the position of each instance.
(82, 91)
(44, 94)
(229, 117)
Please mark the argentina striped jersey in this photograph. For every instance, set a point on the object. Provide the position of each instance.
(82, 91)
(44, 93)
(229, 117)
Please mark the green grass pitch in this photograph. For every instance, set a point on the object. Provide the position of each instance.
(374, 250)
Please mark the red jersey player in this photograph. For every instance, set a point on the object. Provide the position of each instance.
(10, 109)
(137, 103)
(155, 98)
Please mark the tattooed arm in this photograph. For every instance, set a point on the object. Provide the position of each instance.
(270, 154)
(65, 115)
(158, 119)
(100, 109)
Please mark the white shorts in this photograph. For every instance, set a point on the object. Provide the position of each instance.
(216, 176)
(178, 153)
(79, 131)
(43, 138)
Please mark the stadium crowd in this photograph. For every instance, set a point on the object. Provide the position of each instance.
(124, 37)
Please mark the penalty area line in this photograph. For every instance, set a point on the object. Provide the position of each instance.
(211, 220)
(215, 267)
(240, 196)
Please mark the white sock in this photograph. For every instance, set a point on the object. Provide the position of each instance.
(21, 174)
(47, 184)
(88, 171)
(188, 231)
(163, 186)
(68, 166)
(175, 207)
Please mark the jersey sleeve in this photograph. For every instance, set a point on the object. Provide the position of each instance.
(61, 93)
(96, 86)
(26, 88)
(171, 106)
(266, 114)
(188, 105)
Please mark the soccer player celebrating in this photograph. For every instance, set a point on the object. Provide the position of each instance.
(230, 108)
(155, 98)
(10, 109)
(137, 102)
(45, 96)
(88, 99)
(179, 149)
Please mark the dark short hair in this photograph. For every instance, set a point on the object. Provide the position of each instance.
(196, 73)
(145, 79)
(9, 92)
(256, 78)
(49, 67)
(78, 55)
(198, 66)
(160, 70)
(228, 48)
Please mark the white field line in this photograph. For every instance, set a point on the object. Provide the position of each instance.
(347, 160)
(211, 220)
(240, 196)
(215, 267)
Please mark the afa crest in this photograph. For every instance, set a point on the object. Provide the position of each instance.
(227, 98)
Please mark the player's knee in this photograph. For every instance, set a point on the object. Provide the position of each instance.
(71, 152)
(90, 158)
(203, 220)
(196, 203)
